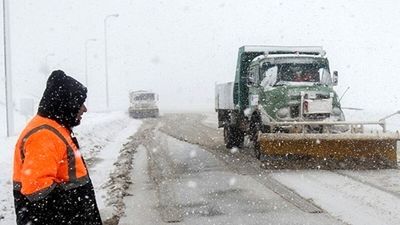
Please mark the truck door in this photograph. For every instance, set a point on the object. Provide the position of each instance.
(253, 82)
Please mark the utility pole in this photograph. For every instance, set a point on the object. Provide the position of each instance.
(86, 60)
(7, 70)
(86, 66)
(105, 56)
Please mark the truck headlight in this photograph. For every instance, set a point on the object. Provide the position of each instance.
(283, 112)
(339, 113)
(336, 111)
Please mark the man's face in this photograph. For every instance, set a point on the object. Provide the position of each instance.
(82, 110)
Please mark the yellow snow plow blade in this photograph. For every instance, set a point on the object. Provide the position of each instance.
(346, 150)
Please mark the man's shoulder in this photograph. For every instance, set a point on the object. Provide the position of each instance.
(43, 126)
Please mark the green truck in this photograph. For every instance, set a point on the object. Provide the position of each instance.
(278, 84)
(283, 100)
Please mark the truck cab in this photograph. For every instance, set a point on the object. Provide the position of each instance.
(280, 83)
(293, 87)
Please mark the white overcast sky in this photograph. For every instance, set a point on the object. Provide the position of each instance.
(179, 49)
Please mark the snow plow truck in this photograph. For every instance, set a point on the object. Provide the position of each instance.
(282, 99)
(143, 104)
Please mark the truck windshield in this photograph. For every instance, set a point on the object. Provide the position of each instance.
(144, 97)
(298, 70)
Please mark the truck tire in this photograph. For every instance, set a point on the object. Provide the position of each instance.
(228, 138)
(255, 126)
(233, 137)
(239, 138)
(257, 150)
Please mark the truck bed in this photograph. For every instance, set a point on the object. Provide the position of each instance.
(224, 96)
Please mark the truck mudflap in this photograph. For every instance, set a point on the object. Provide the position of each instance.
(341, 151)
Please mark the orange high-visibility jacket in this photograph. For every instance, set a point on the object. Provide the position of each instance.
(46, 156)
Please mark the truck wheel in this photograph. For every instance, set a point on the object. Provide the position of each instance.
(255, 127)
(233, 137)
(228, 137)
(239, 138)
(257, 150)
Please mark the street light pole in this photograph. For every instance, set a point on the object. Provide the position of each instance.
(86, 60)
(105, 55)
(7, 70)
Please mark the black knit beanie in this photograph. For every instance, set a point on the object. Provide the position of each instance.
(62, 99)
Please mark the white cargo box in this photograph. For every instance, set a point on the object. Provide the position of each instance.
(224, 96)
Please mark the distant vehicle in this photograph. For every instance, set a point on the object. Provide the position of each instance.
(143, 104)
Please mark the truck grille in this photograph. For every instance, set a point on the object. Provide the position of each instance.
(322, 96)
(318, 116)
(295, 113)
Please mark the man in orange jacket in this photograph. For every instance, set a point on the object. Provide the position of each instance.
(51, 180)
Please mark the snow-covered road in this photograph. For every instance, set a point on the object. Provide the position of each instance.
(182, 183)
(354, 197)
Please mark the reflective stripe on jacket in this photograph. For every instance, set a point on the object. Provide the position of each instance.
(45, 156)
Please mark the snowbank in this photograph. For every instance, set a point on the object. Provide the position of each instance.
(101, 136)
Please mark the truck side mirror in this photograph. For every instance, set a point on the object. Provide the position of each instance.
(266, 65)
(335, 78)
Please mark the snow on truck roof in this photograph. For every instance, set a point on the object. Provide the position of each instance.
(140, 92)
(284, 56)
(307, 50)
